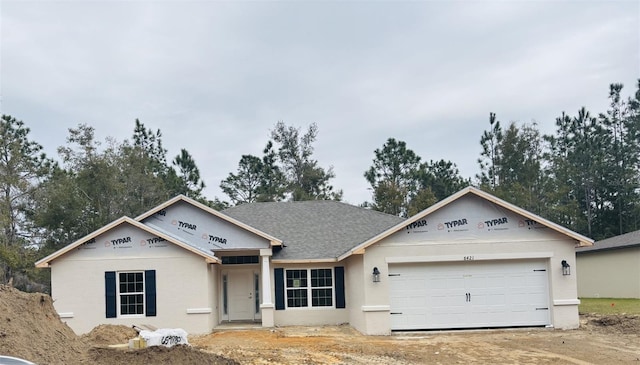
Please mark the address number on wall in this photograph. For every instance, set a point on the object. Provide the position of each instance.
(469, 258)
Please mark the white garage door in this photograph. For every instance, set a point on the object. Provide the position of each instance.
(469, 295)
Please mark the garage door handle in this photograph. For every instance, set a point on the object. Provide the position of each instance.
(542, 309)
(468, 297)
(396, 312)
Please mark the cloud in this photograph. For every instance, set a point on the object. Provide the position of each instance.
(216, 76)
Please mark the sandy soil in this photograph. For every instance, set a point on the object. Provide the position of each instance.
(31, 329)
(600, 340)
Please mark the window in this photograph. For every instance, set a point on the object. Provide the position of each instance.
(297, 288)
(256, 288)
(240, 260)
(321, 288)
(131, 293)
(225, 295)
(316, 284)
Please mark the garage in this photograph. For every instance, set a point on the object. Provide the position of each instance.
(469, 294)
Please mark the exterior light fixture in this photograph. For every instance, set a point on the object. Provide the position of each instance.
(376, 275)
(566, 268)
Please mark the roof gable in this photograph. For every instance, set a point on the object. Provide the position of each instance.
(191, 221)
(452, 217)
(123, 233)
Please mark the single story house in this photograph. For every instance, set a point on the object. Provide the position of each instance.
(610, 268)
(469, 261)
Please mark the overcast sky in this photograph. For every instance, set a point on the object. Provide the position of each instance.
(215, 77)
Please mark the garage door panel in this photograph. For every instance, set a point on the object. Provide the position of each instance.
(489, 298)
(445, 282)
(467, 295)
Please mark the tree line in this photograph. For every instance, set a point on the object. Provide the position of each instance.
(583, 176)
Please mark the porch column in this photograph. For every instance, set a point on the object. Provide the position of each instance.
(266, 307)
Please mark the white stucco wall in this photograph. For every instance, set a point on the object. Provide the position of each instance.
(312, 316)
(563, 294)
(188, 287)
(213, 283)
(354, 277)
(435, 239)
(184, 282)
(609, 273)
(564, 289)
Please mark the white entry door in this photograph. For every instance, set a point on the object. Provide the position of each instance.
(241, 295)
(469, 295)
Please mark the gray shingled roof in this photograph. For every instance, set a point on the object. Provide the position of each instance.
(622, 241)
(318, 229)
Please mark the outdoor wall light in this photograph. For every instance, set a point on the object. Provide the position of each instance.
(376, 275)
(566, 268)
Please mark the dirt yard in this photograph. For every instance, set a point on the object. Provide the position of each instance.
(601, 340)
(30, 328)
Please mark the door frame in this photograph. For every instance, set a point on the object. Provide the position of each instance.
(256, 287)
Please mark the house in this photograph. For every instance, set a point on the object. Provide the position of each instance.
(610, 268)
(470, 261)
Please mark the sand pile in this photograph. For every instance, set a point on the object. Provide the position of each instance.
(31, 329)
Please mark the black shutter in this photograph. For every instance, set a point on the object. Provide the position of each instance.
(110, 294)
(340, 300)
(150, 293)
(279, 286)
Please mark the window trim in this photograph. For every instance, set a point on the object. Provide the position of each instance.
(323, 287)
(256, 292)
(225, 295)
(309, 289)
(119, 295)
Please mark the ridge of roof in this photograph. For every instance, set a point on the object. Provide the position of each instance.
(314, 202)
(314, 229)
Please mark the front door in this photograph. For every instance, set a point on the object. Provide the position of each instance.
(241, 295)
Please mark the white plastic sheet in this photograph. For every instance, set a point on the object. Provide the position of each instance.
(165, 337)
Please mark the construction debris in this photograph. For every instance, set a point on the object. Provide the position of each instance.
(166, 337)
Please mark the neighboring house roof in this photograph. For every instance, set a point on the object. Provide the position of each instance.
(630, 239)
(274, 241)
(317, 230)
(125, 220)
(582, 240)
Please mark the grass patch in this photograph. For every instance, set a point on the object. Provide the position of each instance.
(609, 305)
